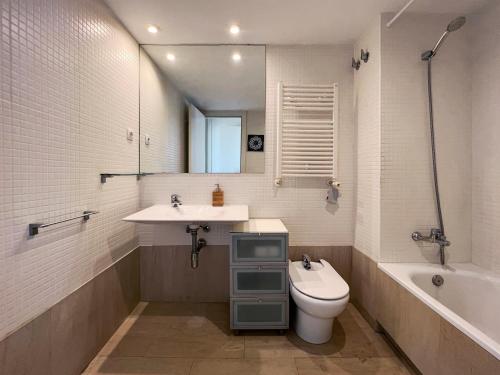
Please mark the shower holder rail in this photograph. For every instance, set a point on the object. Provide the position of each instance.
(105, 176)
(33, 228)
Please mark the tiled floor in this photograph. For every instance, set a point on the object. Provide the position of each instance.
(194, 338)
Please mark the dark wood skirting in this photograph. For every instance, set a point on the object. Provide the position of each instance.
(166, 273)
(363, 286)
(65, 338)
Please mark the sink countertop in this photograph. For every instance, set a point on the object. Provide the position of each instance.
(260, 226)
(165, 213)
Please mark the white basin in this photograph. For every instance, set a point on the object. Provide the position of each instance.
(164, 213)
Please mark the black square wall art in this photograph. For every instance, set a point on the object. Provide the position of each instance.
(255, 143)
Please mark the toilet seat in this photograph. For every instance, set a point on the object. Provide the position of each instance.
(322, 282)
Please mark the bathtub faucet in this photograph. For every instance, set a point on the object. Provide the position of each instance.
(436, 236)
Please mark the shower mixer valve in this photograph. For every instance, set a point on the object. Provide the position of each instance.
(436, 236)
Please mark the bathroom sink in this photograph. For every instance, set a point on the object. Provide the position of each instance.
(164, 213)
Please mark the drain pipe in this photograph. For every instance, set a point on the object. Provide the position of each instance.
(196, 244)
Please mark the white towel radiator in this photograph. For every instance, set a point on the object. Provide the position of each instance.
(307, 132)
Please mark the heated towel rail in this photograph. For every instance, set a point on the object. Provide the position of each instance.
(307, 131)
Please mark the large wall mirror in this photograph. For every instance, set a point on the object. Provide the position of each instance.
(202, 108)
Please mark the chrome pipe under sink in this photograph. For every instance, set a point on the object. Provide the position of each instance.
(196, 244)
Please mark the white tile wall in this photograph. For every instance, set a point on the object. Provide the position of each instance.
(367, 83)
(68, 91)
(486, 138)
(407, 202)
(300, 203)
(163, 117)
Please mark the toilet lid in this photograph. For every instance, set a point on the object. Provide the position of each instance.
(320, 282)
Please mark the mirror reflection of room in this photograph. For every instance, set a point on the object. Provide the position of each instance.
(202, 109)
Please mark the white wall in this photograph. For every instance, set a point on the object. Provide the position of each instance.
(407, 202)
(68, 92)
(367, 115)
(300, 203)
(394, 189)
(486, 138)
(197, 161)
(163, 118)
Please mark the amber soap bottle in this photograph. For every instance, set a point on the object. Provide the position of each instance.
(217, 197)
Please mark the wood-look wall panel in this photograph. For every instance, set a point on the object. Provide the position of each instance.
(65, 338)
(166, 273)
(363, 285)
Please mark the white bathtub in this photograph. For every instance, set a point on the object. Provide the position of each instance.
(469, 298)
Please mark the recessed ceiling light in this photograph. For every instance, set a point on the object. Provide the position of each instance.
(234, 29)
(170, 57)
(236, 57)
(152, 29)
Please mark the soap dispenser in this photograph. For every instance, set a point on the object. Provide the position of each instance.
(217, 197)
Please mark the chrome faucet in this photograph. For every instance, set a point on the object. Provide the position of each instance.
(306, 261)
(175, 201)
(436, 236)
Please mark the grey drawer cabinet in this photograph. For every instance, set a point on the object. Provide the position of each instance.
(251, 248)
(259, 280)
(259, 313)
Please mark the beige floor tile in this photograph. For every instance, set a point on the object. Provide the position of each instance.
(140, 365)
(277, 347)
(207, 347)
(165, 337)
(353, 366)
(96, 360)
(348, 340)
(139, 309)
(180, 330)
(127, 346)
(214, 311)
(244, 367)
(353, 314)
(186, 314)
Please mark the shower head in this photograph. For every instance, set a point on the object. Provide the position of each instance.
(454, 25)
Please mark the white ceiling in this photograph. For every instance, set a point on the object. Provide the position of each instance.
(209, 77)
(266, 21)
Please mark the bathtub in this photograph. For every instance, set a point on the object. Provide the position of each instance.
(469, 299)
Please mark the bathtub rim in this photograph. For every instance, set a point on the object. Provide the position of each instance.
(401, 273)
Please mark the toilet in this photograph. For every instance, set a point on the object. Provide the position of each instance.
(320, 295)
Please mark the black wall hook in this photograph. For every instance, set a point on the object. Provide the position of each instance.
(355, 64)
(365, 55)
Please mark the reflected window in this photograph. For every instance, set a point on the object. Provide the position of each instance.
(223, 145)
